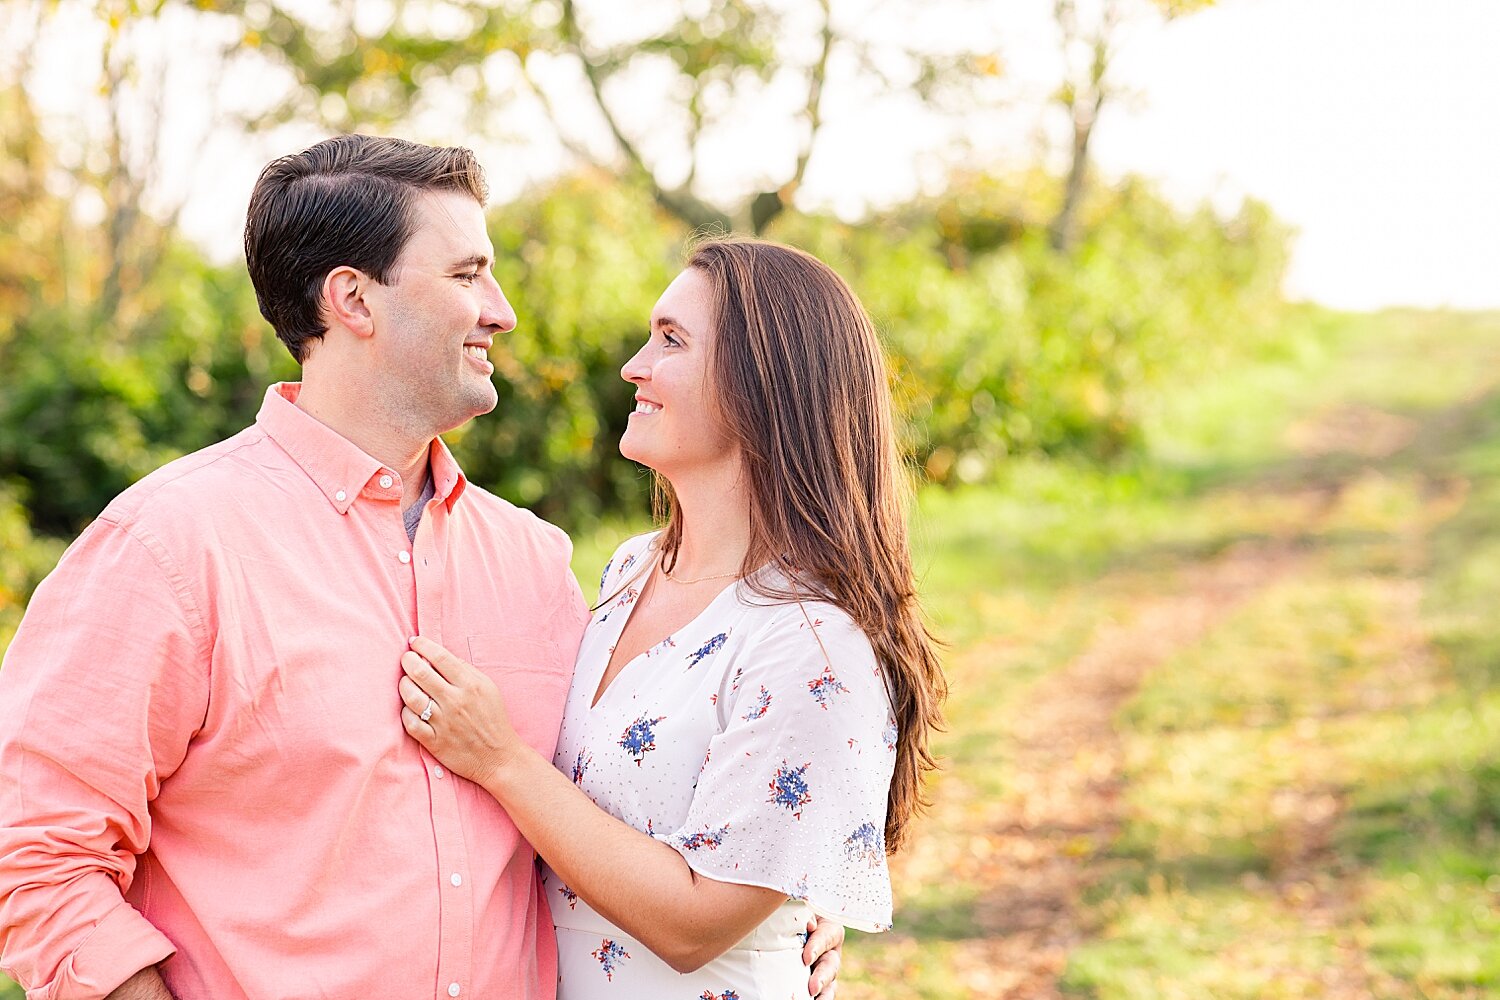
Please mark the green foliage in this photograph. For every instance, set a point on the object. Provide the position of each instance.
(24, 560)
(87, 407)
(1000, 348)
(583, 262)
(1003, 346)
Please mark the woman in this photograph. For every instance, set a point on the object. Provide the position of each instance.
(747, 728)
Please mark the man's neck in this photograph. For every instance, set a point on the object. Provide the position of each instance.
(403, 452)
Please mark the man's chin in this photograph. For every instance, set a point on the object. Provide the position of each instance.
(477, 407)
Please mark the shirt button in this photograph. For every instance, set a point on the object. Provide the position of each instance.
(404, 556)
(437, 772)
(340, 495)
(385, 482)
(456, 879)
(453, 989)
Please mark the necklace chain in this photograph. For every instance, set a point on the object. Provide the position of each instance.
(717, 576)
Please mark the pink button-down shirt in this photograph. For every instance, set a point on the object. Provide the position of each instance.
(201, 749)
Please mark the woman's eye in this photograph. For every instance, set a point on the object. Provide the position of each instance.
(670, 340)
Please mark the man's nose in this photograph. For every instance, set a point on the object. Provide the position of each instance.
(497, 311)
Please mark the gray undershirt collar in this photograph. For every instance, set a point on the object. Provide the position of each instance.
(413, 514)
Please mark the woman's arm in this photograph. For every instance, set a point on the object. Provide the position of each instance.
(636, 882)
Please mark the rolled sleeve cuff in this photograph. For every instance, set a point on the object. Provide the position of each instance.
(121, 944)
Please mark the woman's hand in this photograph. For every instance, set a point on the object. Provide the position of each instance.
(456, 712)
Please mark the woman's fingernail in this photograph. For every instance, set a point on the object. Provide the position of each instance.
(411, 640)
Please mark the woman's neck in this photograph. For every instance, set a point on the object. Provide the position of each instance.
(715, 515)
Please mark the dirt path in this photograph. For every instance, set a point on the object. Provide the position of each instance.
(1043, 842)
(1065, 807)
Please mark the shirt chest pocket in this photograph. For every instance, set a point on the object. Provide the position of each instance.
(533, 675)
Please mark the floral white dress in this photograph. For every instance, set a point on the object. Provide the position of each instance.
(758, 741)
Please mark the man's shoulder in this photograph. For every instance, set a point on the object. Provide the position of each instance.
(189, 484)
(499, 515)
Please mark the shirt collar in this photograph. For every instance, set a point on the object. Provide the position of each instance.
(339, 468)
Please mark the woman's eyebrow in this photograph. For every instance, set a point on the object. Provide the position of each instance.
(661, 321)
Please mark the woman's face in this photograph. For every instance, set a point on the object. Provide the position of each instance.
(673, 428)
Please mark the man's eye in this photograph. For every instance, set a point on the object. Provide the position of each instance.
(469, 278)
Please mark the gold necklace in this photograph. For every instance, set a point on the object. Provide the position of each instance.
(717, 576)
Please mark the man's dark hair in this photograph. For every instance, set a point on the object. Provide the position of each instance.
(345, 202)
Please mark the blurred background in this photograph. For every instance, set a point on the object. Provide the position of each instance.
(1185, 303)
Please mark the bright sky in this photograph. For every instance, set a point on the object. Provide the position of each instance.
(1368, 124)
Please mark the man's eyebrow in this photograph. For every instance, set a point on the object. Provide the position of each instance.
(478, 260)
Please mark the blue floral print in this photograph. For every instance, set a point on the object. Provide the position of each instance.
(626, 599)
(661, 647)
(639, 737)
(610, 955)
(710, 839)
(758, 710)
(811, 703)
(799, 891)
(865, 844)
(789, 788)
(825, 686)
(707, 649)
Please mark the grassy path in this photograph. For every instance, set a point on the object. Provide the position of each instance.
(1221, 728)
(1225, 725)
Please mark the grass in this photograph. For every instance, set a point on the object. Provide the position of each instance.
(1310, 790)
(1306, 795)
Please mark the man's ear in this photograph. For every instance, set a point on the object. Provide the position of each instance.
(345, 296)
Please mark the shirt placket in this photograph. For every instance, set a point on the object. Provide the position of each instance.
(456, 909)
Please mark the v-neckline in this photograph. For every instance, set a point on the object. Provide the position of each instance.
(600, 693)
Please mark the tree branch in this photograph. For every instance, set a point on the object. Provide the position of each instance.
(769, 204)
(679, 202)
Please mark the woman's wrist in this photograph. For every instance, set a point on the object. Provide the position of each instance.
(509, 770)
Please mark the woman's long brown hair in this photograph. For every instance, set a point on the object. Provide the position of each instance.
(801, 386)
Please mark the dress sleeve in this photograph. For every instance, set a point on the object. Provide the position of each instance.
(102, 688)
(792, 795)
(624, 564)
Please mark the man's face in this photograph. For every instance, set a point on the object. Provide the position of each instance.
(438, 317)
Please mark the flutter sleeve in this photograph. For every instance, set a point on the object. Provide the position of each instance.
(627, 562)
(793, 791)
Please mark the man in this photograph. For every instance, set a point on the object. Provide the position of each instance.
(208, 791)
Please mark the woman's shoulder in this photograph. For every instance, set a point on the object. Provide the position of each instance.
(629, 556)
(812, 626)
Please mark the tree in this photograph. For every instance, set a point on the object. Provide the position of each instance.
(1091, 36)
(350, 69)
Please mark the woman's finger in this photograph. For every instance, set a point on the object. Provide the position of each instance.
(412, 696)
(415, 727)
(420, 670)
(448, 666)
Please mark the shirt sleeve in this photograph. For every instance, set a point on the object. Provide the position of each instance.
(101, 689)
(793, 791)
